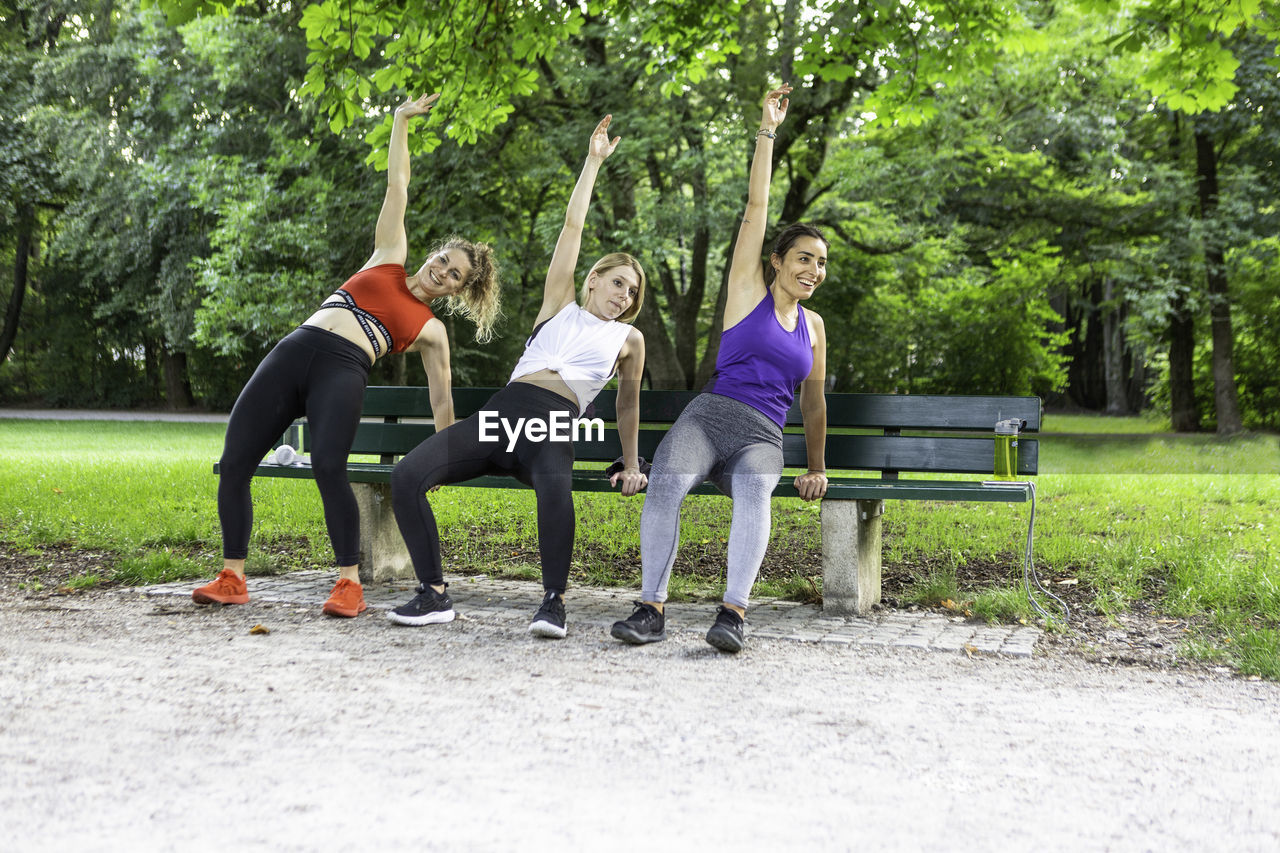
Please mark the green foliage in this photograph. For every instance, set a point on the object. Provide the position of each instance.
(986, 171)
(935, 588)
(273, 254)
(1256, 651)
(1002, 605)
(994, 337)
(1255, 273)
(85, 581)
(156, 567)
(480, 57)
(1181, 46)
(181, 11)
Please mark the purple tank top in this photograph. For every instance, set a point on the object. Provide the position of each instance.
(761, 364)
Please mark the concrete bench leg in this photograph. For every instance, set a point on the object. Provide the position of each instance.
(850, 556)
(383, 556)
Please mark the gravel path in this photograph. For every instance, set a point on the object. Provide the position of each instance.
(146, 723)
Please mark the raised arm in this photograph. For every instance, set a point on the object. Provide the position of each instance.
(746, 276)
(560, 286)
(813, 408)
(630, 373)
(390, 243)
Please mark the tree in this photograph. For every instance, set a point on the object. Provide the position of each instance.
(497, 60)
(1192, 55)
(984, 170)
(26, 170)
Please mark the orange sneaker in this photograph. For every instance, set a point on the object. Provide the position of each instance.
(227, 588)
(346, 599)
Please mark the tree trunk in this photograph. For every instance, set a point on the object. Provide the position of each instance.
(1182, 340)
(21, 254)
(1113, 352)
(1182, 388)
(177, 384)
(1086, 373)
(660, 361)
(1135, 369)
(1226, 402)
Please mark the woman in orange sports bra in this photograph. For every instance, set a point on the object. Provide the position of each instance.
(320, 370)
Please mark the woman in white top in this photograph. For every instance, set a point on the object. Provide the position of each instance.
(573, 351)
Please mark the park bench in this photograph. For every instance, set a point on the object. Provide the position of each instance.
(872, 439)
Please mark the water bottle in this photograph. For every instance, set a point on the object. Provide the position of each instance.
(1006, 467)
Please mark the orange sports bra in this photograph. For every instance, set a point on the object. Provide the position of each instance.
(380, 298)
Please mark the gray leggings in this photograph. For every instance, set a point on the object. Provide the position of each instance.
(738, 449)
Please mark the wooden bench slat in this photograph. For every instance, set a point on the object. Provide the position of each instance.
(926, 411)
(838, 488)
(852, 411)
(912, 453)
(942, 455)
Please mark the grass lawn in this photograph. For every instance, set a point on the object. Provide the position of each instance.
(1126, 515)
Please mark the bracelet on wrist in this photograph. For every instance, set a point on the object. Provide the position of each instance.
(765, 132)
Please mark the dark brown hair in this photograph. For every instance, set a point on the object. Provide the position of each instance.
(786, 239)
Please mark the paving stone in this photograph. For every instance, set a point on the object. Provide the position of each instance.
(953, 639)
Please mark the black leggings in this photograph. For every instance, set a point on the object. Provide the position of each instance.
(314, 373)
(458, 454)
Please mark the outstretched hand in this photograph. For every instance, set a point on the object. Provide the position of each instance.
(417, 106)
(600, 147)
(775, 107)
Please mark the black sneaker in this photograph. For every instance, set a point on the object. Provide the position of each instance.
(428, 607)
(549, 621)
(726, 634)
(646, 625)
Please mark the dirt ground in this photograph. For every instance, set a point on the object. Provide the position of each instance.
(139, 723)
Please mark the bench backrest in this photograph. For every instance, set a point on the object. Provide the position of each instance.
(884, 433)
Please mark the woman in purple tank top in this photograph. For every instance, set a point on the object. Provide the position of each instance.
(732, 433)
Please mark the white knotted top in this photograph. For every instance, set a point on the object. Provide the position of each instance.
(579, 346)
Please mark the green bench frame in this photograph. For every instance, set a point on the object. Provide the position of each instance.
(882, 434)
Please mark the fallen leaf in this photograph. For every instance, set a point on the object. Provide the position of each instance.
(259, 629)
(970, 649)
(1068, 582)
(950, 605)
(57, 491)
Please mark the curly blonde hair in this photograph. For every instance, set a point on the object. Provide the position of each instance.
(480, 298)
(613, 261)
